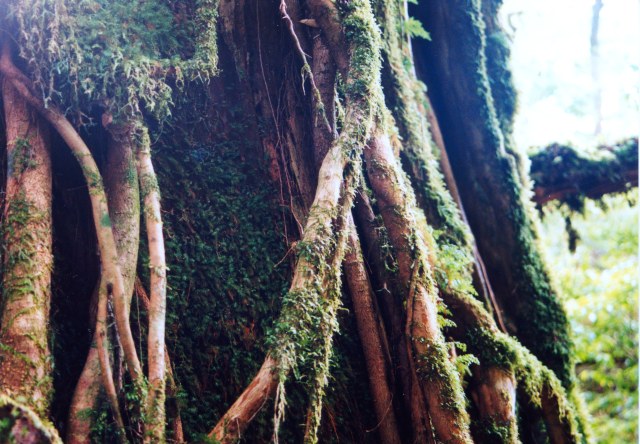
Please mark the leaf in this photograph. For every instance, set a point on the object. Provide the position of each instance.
(413, 28)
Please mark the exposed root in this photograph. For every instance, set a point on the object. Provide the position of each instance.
(123, 199)
(438, 379)
(155, 412)
(502, 358)
(315, 287)
(372, 337)
(101, 218)
(172, 386)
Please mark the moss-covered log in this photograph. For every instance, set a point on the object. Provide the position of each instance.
(562, 173)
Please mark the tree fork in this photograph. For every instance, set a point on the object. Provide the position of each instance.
(325, 13)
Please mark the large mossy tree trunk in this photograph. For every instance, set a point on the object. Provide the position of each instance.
(303, 179)
(27, 259)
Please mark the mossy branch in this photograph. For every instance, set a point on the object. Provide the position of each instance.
(564, 174)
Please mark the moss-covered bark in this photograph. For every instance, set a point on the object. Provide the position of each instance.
(256, 186)
(27, 259)
(489, 182)
(561, 173)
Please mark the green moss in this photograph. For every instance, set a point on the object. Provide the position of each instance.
(405, 95)
(579, 176)
(20, 158)
(15, 415)
(115, 54)
(495, 349)
(105, 220)
(303, 334)
(487, 169)
(490, 431)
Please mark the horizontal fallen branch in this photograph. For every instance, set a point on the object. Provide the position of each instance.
(562, 173)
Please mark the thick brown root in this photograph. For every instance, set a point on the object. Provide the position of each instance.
(232, 425)
(414, 410)
(372, 337)
(124, 206)
(438, 379)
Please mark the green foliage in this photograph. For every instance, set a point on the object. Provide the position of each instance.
(413, 28)
(489, 431)
(222, 235)
(600, 286)
(116, 54)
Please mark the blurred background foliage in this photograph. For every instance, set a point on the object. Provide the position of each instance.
(553, 67)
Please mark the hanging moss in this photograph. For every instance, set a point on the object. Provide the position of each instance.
(569, 176)
(405, 96)
(114, 54)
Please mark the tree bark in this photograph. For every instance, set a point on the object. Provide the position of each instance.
(121, 183)
(25, 358)
(155, 412)
(439, 381)
(489, 181)
(100, 211)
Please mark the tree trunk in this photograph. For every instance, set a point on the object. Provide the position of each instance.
(489, 182)
(25, 359)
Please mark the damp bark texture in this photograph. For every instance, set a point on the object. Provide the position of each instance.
(27, 260)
